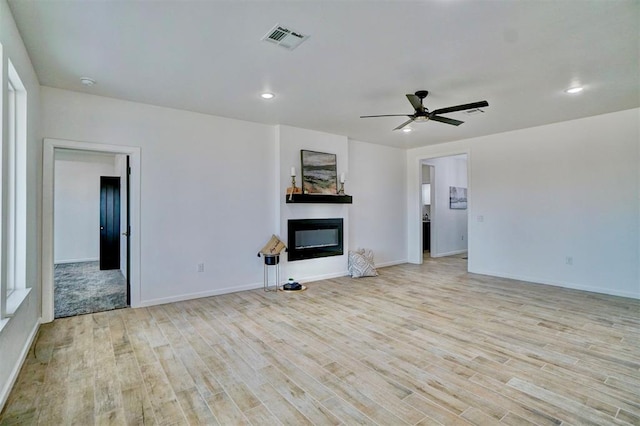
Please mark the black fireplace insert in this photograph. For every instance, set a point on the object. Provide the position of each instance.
(312, 238)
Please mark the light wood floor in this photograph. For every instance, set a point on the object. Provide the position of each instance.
(423, 345)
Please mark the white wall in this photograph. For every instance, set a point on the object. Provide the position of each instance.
(448, 227)
(17, 333)
(213, 192)
(290, 141)
(207, 191)
(377, 217)
(540, 195)
(77, 204)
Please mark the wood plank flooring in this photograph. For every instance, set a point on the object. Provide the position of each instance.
(417, 345)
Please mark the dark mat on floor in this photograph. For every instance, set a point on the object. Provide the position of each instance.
(82, 288)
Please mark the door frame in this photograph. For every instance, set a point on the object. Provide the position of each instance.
(432, 239)
(48, 185)
(414, 245)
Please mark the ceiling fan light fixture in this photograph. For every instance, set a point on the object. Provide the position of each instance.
(267, 95)
(574, 90)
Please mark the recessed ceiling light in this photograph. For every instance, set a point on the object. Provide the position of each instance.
(574, 90)
(87, 81)
(267, 95)
(407, 130)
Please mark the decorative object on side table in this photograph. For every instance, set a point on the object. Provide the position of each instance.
(319, 172)
(271, 253)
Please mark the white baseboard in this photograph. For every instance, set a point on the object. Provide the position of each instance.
(6, 389)
(392, 263)
(323, 277)
(89, 259)
(561, 284)
(227, 290)
(189, 296)
(449, 253)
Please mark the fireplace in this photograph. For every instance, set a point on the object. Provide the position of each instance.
(311, 238)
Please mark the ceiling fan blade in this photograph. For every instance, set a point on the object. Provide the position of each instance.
(446, 120)
(405, 123)
(415, 102)
(385, 115)
(461, 107)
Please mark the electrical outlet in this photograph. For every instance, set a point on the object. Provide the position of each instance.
(480, 218)
(200, 267)
(568, 260)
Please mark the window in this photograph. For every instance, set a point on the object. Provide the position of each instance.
(14, 195)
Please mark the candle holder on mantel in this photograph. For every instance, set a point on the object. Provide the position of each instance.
(341, 190)
(293, 189)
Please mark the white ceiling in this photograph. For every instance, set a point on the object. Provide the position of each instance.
(362, 57)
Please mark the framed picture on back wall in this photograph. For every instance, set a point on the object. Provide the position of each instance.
(457, 198)
(319, 172)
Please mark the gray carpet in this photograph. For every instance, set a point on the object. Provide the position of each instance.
(82, 288)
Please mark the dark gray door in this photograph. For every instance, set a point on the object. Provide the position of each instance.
(109, 222)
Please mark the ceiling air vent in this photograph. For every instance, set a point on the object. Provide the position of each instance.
(473, 111)
(284, 37)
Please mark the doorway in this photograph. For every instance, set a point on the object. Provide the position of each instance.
(128, 198)
(88, 276)
(445, 215)
(428, 176)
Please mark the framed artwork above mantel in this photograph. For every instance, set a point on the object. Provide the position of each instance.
(319, 172)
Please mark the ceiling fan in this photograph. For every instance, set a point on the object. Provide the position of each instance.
(422, 114)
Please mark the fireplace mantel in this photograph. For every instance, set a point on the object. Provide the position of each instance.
(319, 199)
